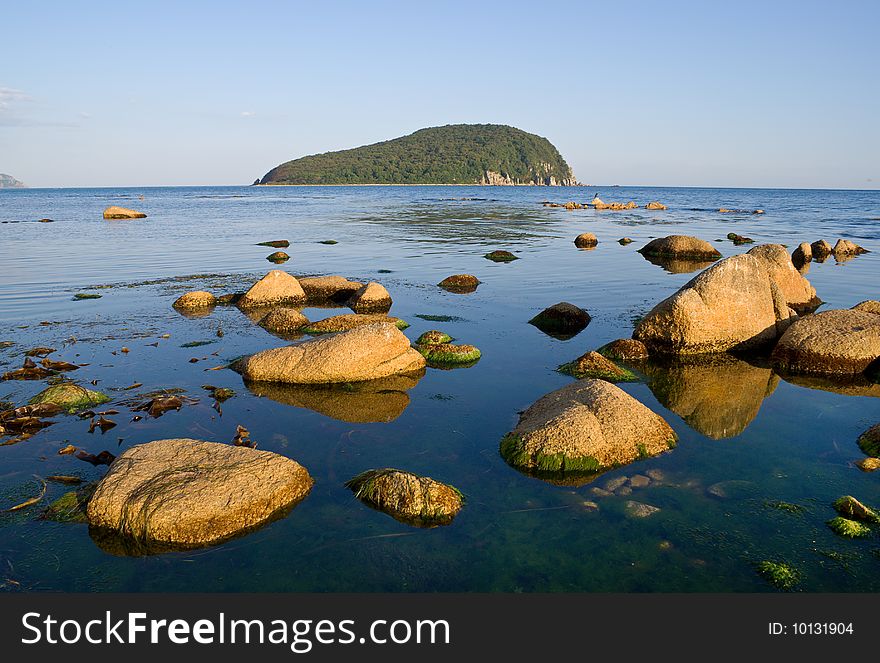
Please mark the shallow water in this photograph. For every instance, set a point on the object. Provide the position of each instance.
(769, 439)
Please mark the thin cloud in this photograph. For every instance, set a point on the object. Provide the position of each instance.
(247, 113)
(10, 96)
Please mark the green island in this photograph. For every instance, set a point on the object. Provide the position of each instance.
(452, 154)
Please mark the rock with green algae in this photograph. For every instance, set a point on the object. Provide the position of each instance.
(594, 365)
(70, 397)
(71, 506)
(848, 529)
(625, 349)
(447, 354)
(779, 574)
(460, 283)
(501, 256)
(408, 497)
(278, 257)
(433, 337)
(849, 507)
(869, 441)
(276, 243)
(562, 318)
(344, 322)
(86, 295)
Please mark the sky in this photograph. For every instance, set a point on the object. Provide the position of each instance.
(751, 94)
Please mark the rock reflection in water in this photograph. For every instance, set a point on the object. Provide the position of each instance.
(850, 385)
(357, 402)
(716, 395)
(677, 265)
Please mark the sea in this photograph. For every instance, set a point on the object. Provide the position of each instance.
(759, 461)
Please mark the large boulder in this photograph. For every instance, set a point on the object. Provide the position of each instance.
(277, 287)
(586, 427)
(408, 497)
(733, 305)
(190, 493)
(369, 352)
(681, 247)
(794, 288)
(838, 342)
(320, 289)
(115, 213)
(371, 298)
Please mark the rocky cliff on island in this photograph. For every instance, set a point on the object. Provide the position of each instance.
(488, 154)
(9, 182)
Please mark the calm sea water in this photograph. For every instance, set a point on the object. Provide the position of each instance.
(747, 438)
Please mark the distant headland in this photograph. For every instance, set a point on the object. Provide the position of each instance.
(491, 154)
(9, 182)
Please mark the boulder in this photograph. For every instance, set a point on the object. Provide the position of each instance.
(278, 257)
(846, 248)
(369, 352)
(321, 289)
(501, 256)
(283, 320)
(585, 241)
(794, 288)
(195, 300)
(190, 493)
(820, 250)
(371, 298)
(837, 342)
(408, 497)
(625, 349)
(869, 464)
(681, 247)
(277, 287)
(594, 365)
(733, 305)
(849, 507)
(116, 213)
(802, 255)
(655, 205)
(460, 283)
(561, 319)
(623, 241)
(869, 441)
(586, 427)
(340, 323)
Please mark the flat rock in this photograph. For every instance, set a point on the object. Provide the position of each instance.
(115, 213)
(340, 323)
(368, 352)
(189, 493)
(682, 247)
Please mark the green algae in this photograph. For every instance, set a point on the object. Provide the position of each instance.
(501, 256)
(446, 354)
(70, 397)
(433, 337)
(849, 507)
(574, 369)
(779, 574)
(86, 295)
(785, 507)
(848, 529)
(513, 451)
(71, 506)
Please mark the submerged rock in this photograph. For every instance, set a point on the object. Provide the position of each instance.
(369, 352)
(283, 320)
(190, 493)
(586, 427)
(868, 464)
(848, 529)
(339, 323)
(460, 283)
(716, 395)
(779, 574)
(635, 509)
(501, 256)
(681, 247)
(114, 213)
(321, 289)
(70, 507)
(195, 300)
(623, 241)
(371, 401)
(561, 319)
(594, 365)
(408, 497)
(794, 288)
(625, 349)
(730, 306)
(585, 241)
(70, 397)
(843, 341)
(277, 287)
(447, 354)
(371, 298)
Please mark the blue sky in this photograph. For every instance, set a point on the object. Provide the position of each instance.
(652, 93)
